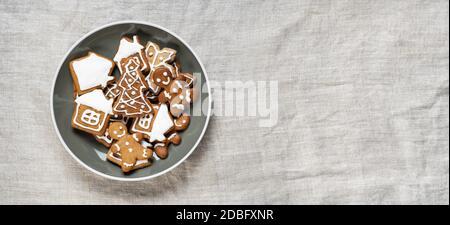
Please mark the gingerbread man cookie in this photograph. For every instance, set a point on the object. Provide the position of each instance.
(181, 123)
(175, 88)
(174, 138)
(157, 57)
(162, 148)
(127, 148)
(181, 102)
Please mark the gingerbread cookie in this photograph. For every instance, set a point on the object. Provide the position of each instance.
(112, 91)
(91, 72)
(174, 138)
(157, 57)
(119, 118)
(104, 139)
(142, 124)
(127, 150)
(151, 90)
(154, 127)
(132, 102)
(91, 113)
(181, 123)
(181, 102)
(175, 88)
(152, 98)
(176, 92)
(187, 77)
(161, 150)
(127, 48)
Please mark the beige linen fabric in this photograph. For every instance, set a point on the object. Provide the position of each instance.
(363, 111)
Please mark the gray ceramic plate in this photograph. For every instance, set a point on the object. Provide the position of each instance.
(83, 147)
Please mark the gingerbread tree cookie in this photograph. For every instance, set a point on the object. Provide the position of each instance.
(132, 102)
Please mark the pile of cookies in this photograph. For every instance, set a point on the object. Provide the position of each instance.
(141, 113)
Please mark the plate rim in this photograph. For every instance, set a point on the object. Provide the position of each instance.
(61, 140)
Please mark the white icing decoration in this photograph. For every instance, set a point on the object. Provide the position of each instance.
(126, 99)
(159, 145)
(111, 91)
(127, 164)
(188, 96)
(121, 135)
(161, 124)
(166, 82)
(90, 117)
(127, 48)
(98, 128)
(144, 154)
(105, 137)
(127, 143)
(153, 64)
(146, 144)
(171, 136)
(178, 83)
(167, 95)
(155, 156)
(178, 106)
(92, 71)
(145, 121)
(97, 100)
(138, 162)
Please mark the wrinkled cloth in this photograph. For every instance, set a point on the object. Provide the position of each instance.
(363, 102)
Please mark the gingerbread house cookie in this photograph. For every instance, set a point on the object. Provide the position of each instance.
(154, 127)
(131, 47)
(91, 113)
(91, 72)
